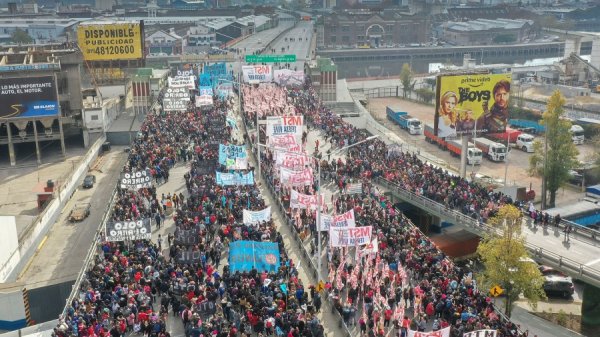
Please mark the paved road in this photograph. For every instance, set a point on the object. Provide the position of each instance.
(300, 46)
(259, 40)
(61, 255)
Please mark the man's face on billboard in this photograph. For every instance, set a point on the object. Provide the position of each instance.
(501, 98)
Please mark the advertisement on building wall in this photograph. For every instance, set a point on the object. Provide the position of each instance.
(26, 97)
(104, 41)
(471, 103)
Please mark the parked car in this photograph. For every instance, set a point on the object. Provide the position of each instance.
(89, 181)
(557, 282)
(80, 212)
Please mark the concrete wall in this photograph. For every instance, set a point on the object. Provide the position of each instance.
(9, 241)
(121, 137)
(47, 303)
(10, 270)
(12, 310)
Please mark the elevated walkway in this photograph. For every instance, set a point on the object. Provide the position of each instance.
(579, 258)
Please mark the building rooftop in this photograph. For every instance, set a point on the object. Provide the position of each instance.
(485, 24)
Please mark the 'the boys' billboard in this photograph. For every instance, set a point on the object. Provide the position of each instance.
(471, 103)
(25, 97)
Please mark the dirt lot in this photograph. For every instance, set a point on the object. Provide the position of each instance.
(518, 161)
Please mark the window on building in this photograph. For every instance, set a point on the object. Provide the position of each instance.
(94, 117)
(345, 28)
(333, 39)
(345, 39)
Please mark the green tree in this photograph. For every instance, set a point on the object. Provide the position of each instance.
(431, 81)
(406, 79)
(506, 260)
(425, 94)
(20, 36)
(559, 154)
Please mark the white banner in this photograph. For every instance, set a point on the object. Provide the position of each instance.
(440, 333)
(204, 101)
(350, 237)
(344, 220)
(289, 78)
(181, 82)
(296, 178)
(257, 73)
(305, 201)
(291, 160)
(372, 247)
(355, 188)
(251, 217)
(181, 94)
(236, 163)
(283, 141)
(481, 333)
(285, 125)
(326, 221)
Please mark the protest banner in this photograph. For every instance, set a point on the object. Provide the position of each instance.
(355, 188)
(291, 160)
(230, 152)
(246, 255)
(344, 220)
(371, 248)
(182, 94)
(296, 178)
(304, 201)
(252, 217)
(181, 82)
(282, 141)
(174, 105)
(234, 179)
(288, 78)
(128, 230)
(326, 220)
(189, 255)
(205, 91)
(206, 308)
(136, 180)
(350, 237)
(445, 332)
(257, 73)
(481, 333)
(202, 101)
(285, 125)
(204, 80)
(237, 163)
(187, 237)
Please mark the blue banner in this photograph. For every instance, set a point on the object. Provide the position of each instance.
(234, 179)
(245, 255)
(230, 152)
(204, 80)
(216, 70)
(206, 91)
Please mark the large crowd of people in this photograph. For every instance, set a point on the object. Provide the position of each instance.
(135, 286)
(411, 284)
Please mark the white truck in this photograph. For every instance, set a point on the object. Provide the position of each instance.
(494, 151)
(525, 142)
(473, 153)
(577, 134)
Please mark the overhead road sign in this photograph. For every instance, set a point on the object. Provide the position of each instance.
(271, 58)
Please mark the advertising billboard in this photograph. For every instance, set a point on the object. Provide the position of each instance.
(104, 41)
(475, 103)
(24, 97)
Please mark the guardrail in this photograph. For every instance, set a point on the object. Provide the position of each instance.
(546, 256)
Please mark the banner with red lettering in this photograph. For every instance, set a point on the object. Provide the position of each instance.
(326, 221)
(344, 220)
(350, 237)
(257, 73)
(285, 125)
(296, 178)
(291, 160)
(440, 333)
(481, 333)
(304, 201)
(283, 141)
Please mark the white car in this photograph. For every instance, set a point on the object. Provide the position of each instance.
(525, 142)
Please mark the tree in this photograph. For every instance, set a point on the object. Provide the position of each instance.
(425, 94)
(431, 82)
(559, 154)
(406, 78)
(20, 36)
(506, 260)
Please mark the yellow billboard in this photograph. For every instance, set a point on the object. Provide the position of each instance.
(110, 41)
(475, 103)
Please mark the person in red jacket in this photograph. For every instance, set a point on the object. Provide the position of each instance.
(387, 316)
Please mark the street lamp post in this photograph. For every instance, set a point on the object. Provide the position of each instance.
(318, 219)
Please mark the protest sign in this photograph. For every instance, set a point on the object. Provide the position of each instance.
(246, 255)
(234, 179)
(445, 332)
(187, 237)
(204, 101)
(288, 78)
(285, 125)
(344, 220)
(189, 255)
(182, 94)
(205, 91)
(174, 105)
(283, 141)
(481, 333)
(291, 160)
(326, 221)
(304, 201)
(136, 180)
(350, 237)
(230, 152)
(355, 188)
(257, 74)
(251, 217)
(296, 178)
(181, 82)
(128, 230)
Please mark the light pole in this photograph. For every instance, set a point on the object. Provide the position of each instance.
(318, 219)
